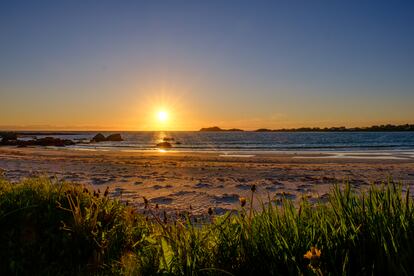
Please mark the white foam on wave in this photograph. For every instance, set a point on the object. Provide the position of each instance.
(357, 156)
(236, 155)
(89, 149)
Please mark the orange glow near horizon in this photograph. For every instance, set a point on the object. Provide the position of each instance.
(173, 108)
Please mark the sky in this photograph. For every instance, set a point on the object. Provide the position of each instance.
(114, 65)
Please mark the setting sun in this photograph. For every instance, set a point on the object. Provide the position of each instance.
(162, 116)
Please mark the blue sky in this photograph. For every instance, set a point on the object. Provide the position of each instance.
(247, 64)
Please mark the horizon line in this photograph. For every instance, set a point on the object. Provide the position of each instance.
(28, 129)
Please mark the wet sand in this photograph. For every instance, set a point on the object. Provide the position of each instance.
(179, 181)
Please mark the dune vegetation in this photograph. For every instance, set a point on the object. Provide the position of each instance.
(48, 227)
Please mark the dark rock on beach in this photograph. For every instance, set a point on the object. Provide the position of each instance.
(50, 141)
(7, 136)
(114, 138)
(164, 145)
(111, 138)
(98, 138)
(47, 141)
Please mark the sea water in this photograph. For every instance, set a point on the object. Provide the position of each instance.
(249, 141)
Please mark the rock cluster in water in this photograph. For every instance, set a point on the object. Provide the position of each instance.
(11, 140)
(111, 138)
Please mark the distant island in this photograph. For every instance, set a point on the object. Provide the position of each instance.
(219, 129)
(388, 127)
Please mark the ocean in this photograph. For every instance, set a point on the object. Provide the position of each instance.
(249, 141)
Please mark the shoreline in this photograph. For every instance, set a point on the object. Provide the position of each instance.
(402, 154)
(407, 152)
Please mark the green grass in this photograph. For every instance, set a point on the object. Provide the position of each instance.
(53, 228)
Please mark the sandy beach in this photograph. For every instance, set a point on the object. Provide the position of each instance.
(196, 181)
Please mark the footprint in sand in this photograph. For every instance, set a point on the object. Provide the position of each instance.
(243, 186)
(226, 198)
(271, 188)
(157, 187)
(285, 195)
(181, 193)
(329, 179)
(221, 211)
(304, 188)
(357, 182)
(118, 191)
(162, 200)
(202, 185)
(319, 199)
(308, 178)
(99, 181)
